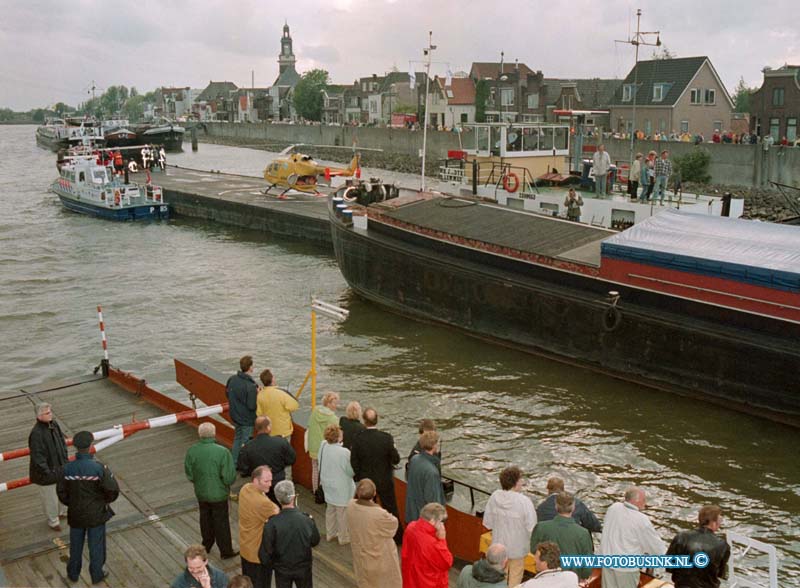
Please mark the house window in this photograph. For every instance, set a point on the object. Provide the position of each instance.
(695, 96)
(648, 127)
(662, 125)
(775, 128)
(777, 96)
(684, 126)
(791, 129)
(711, 96)
(658, 92)
(449, 93)
(533, 100)
(627, 92)
(464, 117)
(506, 97)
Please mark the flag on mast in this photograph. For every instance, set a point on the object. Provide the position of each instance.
(412, 76)
(449, 80)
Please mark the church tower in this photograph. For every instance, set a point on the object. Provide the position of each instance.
(286, 59)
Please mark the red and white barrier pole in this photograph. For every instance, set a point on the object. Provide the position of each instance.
(116, 433)
(103, 332)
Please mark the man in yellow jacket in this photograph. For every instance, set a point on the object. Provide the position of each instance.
(278, 405)
(254, 511)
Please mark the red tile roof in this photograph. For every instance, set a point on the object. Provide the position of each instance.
(463, 91)
(483, 70)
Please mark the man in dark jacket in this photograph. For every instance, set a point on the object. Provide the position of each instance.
(242, 392)
(198, 572)
(374, 456)
(702, 539)
(486, 573)
(48, 456)
(264, 449)
(546, 511)
(87, 487)
(287, 541)
(424, 480)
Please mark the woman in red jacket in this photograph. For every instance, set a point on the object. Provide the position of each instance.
(426, 558)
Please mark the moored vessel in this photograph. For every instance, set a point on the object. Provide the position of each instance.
(162, 132)
(88, 187)
(642, 307)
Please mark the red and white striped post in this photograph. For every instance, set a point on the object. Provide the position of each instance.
(104, 363)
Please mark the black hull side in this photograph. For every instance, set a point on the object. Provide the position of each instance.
(171, 140)
(742, 361)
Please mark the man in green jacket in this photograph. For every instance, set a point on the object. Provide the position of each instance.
(209, 466)
(571, 538)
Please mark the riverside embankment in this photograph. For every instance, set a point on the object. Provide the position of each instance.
(745, 170)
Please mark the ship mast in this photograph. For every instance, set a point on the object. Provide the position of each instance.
(427, 52)
(638, 38)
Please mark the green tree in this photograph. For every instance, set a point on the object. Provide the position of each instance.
(481, 96)
(693, 166)
(60, 108)
(38, 114)
(134, 108)
(308, 94)
(742, 95)
(6, 114)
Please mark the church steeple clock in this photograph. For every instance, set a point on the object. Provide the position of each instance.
(286, 58)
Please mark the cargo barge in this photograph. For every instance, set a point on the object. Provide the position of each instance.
(695, 304)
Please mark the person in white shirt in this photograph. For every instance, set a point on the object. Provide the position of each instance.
(628, 531)
(602, 163)
(511, 517)
(548, 567)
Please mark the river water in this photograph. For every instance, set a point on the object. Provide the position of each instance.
(212, 293)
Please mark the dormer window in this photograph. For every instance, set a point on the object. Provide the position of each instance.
(659, 91)
(627, 92)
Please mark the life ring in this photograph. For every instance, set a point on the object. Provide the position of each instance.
(511, 182)
(612, 318)
(116, 197)
(347, 198)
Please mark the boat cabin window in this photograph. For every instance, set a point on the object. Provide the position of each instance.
(81, 177)
(516, 139)
(99, 176)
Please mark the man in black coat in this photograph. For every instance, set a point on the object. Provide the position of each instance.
(287, 541)
(48, 455)
(374, 456)
(702, 539)
(242, 391)
(88, 488)
(264, 449)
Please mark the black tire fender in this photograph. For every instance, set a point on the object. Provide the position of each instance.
(612, 318)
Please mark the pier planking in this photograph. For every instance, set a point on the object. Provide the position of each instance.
(157, 514)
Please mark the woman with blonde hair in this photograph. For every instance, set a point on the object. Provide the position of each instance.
(351, 423)
(336, 479)
(322, 416)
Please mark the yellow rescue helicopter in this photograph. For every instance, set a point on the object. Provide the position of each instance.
(300, 172)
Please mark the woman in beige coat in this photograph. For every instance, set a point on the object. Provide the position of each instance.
(372, 532)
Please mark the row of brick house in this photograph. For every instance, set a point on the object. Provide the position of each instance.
(660, 96)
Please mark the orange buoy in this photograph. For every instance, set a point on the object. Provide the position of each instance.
(511, 182)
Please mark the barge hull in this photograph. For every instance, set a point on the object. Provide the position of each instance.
(750, 366)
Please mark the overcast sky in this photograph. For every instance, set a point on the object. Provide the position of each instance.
(52, 50)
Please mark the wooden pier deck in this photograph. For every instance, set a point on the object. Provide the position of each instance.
(156, 513)
(240, 201)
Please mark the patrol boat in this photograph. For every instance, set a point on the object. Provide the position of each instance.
(86, 186)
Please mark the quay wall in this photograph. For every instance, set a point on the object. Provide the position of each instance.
(398, 141)
(732, 165)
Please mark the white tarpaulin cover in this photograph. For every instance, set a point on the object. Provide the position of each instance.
(764, 253)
